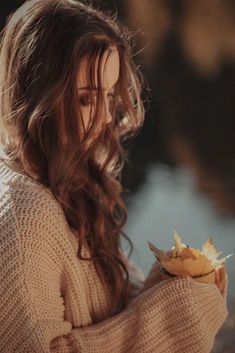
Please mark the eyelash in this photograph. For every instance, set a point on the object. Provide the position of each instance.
(87, 99)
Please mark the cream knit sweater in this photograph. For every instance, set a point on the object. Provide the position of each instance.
(50, 301)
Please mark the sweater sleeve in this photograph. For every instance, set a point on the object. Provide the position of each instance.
(175, 316)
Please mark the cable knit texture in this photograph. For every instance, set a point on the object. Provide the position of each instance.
(53, 302)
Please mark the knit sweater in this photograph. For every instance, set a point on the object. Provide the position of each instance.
(52, 302)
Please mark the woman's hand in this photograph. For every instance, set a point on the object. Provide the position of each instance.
(221, 280)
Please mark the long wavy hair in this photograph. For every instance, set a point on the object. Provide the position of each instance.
(42, 46)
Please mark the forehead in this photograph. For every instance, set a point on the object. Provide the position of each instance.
(109, 70)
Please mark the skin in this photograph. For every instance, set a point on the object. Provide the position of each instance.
(221, 278)
(110, 68)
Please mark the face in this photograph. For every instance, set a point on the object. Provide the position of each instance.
(110, 67)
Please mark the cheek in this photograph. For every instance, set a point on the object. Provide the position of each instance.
(88, 118)
(86, 115)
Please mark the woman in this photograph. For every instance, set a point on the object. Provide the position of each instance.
(70, 96)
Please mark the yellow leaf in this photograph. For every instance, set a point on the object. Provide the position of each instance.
(183, 259)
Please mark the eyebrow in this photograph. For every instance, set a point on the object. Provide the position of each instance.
(89, 89)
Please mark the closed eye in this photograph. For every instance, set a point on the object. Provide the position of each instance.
(87, 99)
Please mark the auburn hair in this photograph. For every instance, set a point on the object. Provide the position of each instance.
(42, 46)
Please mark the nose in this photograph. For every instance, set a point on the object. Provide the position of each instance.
(108, 116)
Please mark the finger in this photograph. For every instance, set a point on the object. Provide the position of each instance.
(223, 272)
(217, 277)
(220, 279)
(183, 275)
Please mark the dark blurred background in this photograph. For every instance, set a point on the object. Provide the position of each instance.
(181, 169)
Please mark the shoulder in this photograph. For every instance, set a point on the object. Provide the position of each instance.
(21, 194)
(27, 199)
(30, 213)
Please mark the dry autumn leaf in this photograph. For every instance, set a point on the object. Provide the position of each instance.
(184, 260)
